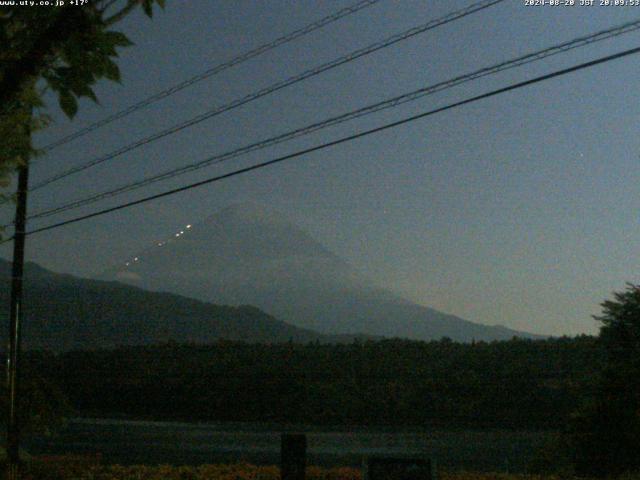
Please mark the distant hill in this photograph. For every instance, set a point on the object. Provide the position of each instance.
(251, 254)
(63, 312)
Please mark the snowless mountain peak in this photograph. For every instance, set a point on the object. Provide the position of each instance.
(251, 254)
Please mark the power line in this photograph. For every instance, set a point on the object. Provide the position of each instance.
(389, 103)
(299, 153)
(214, 71)
(476, 7)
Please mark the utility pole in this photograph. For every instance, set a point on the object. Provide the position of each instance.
(13, 356)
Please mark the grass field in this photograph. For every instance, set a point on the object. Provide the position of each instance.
(79, 468)
(90, 468)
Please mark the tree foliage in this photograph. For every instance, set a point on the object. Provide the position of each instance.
(65, 49)
(607, 430)
(514, 384)
(44, 406)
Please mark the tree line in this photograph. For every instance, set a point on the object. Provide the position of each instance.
(514, 384)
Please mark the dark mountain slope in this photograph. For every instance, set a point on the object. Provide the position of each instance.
(63, 312)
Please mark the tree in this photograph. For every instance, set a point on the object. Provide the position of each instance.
(607, 431)
(66, 49)
(44, 404)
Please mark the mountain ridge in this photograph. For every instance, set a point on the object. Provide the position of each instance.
(63, 312)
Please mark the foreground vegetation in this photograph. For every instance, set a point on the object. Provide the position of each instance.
(519, 384)
(64, 469)
(587, 387)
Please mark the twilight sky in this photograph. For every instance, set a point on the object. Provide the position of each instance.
(519, 210)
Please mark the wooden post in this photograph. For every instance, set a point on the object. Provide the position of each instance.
(293, 456)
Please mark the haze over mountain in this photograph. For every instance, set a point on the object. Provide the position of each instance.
(63, 312)
(251, 254)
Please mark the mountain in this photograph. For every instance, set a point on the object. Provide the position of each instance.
(63, 312)
(251, 254)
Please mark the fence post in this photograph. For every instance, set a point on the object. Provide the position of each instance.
(293, 456)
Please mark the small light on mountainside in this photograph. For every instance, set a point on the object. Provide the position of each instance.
(188, 226)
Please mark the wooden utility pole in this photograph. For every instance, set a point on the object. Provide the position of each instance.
(15, 318)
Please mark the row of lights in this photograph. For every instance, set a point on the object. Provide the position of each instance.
(160, 244)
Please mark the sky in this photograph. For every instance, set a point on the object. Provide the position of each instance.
(519, 210)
